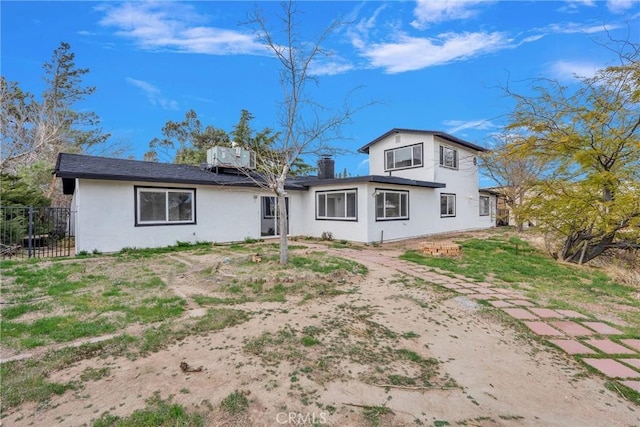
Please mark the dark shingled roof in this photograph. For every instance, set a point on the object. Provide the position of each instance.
(439, 134)
(379, 179)
(71, 166)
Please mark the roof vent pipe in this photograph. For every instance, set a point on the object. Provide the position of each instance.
(326, 166)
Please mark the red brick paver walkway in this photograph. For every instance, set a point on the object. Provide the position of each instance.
(573, 332)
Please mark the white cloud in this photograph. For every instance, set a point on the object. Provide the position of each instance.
(578, 28)
(455, 126)
(568, 70)
(621, 6)
(153, 94)
(363, 164)
(175, 27)
(330, 67)
(433, 11)
(413, 53)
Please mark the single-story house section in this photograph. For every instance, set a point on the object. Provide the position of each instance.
(420, 183)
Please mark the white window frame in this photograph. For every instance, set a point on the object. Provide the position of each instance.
(166, 191)
(485, 205)
(323, 195)
(451, 203)
(416, 161)
(402, 194)
(449, 162)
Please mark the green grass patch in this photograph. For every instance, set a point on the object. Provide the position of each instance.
(235, 403)
(513, 262)
(16, 311)
(158, 412)
(55, 329)
(320, 263)
(137, 253)
(203, 300)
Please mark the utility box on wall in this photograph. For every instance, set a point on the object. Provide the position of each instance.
(231, 157)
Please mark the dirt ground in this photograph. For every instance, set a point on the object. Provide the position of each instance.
(488, 372)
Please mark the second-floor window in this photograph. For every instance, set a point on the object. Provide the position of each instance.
(448, 157)
(403, 157)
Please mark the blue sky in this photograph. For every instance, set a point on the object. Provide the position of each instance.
(432, 65)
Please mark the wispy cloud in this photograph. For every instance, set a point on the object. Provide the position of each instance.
(621, 6)
(413, 53)
(578, 28)
(429, 12)
(614, 6)
(330, 67)
(175, 26)
(567, 70)
(363, 164)
(153, 94)
(455, 126)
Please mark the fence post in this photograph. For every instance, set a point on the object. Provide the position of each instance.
(30, 232)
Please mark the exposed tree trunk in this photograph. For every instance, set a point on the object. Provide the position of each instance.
(583, 247)
(282, 222)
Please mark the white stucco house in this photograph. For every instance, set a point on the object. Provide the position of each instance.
(420, 183)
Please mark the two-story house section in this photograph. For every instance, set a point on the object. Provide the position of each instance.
(431, 156)
(420, 183)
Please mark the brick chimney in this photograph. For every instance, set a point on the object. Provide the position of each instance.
(326, 166)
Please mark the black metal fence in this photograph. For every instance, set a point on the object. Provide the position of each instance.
(28, 232)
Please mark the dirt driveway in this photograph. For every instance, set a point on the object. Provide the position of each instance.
(389, 350)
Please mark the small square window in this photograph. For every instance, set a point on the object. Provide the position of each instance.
(447, 205)
(448, 157)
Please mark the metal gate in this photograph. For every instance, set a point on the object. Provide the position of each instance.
(28, 232)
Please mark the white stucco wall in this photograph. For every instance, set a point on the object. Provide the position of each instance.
(424, 173)
(105, 216)
(348, 230)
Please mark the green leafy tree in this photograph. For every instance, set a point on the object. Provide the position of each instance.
(589, 140)
(35, 131)
(186, 142)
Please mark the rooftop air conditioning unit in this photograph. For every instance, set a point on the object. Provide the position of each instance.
(231, 157)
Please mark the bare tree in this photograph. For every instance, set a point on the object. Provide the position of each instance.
(35, 131)
(516, 175)
(306, 127)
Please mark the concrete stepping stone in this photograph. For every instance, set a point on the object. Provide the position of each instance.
(522, 302)
(465, 291)
(450, 286)
(500, 303)
(609, 347)
(631, 362)
(482, 296)
(635, 385)
(543, 329)
(572, 328)
(572, 314)
(546, 313)
(520, 314)
(602, 328)
(612, 368)
(633, 343)
(573, 347)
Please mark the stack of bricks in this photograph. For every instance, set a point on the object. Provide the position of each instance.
(440, 249)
